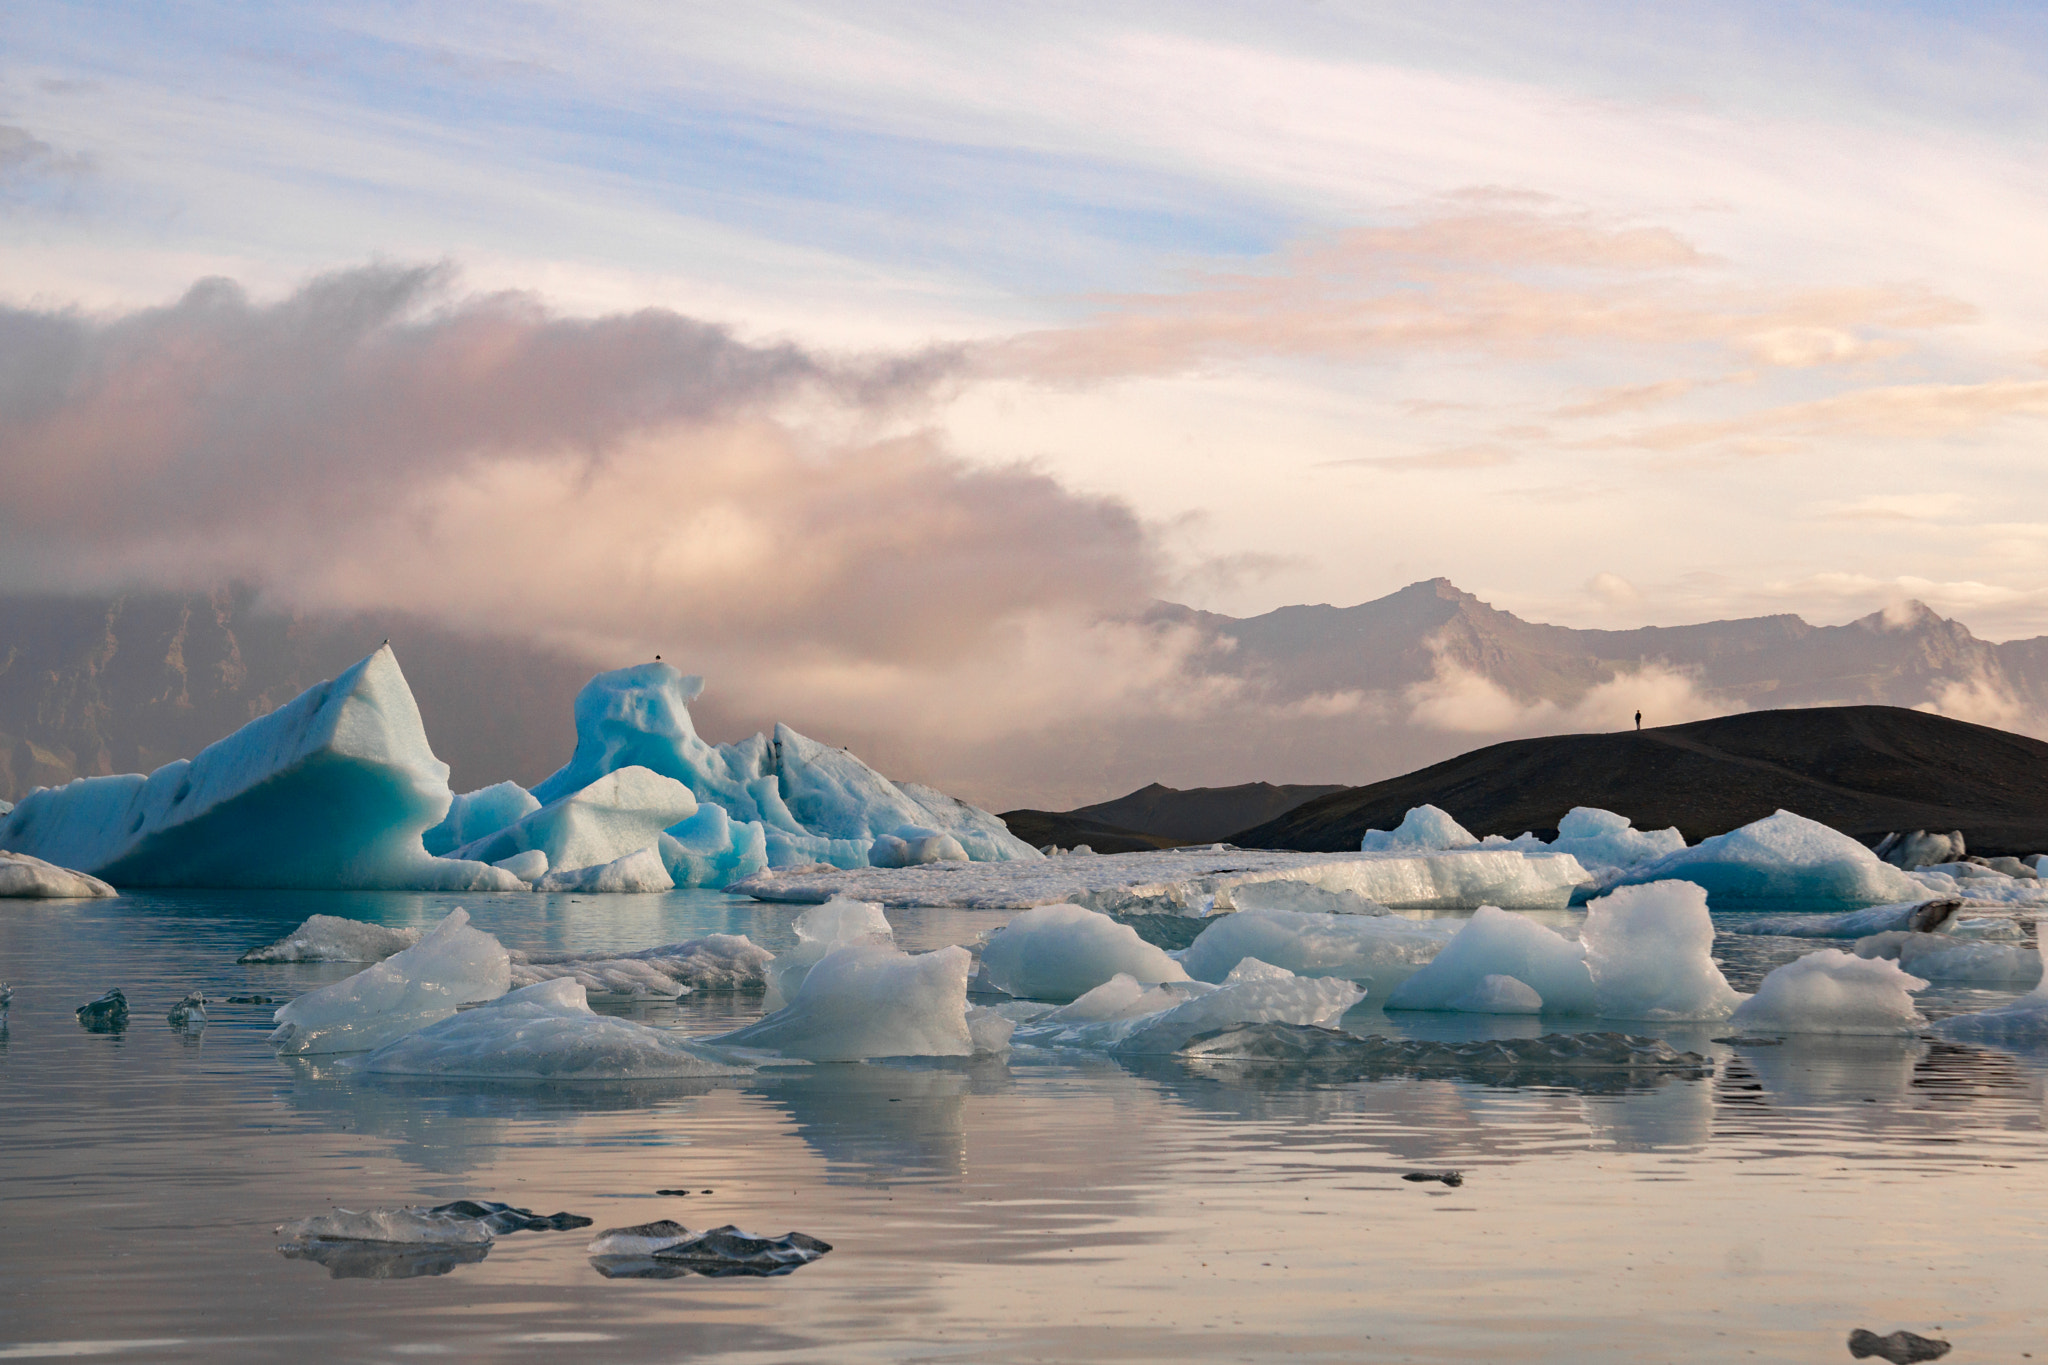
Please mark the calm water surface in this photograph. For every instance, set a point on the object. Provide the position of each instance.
(1053, 1207)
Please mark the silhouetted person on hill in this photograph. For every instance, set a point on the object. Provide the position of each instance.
(1639, 722)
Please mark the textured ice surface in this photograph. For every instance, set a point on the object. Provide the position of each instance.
(607, 978)
(1650, 949)
(716, 962)
(330, 938)
(1198, 881)
(1980, 885)
(1780, 859)
(414, 1225)
(711, 848)
(1377, 952)
(914, 846)
(1603, 842)
(619, 813)
(870, 1000)
(1162, 1019)
(1921, 847)
(543, 1032)
(332, 789)
(472, 815)
(1060, 952)
(1303, 897)
(639, 871)
(529, 866)
(1941, 957)
(834, 924)
(1497, 995)
(653, 1250)
(1495, 942)
(2018, 1023)
(1422, 829)
(1833, 992)
(1921, 915)
(453, 965)
(1524, 1061)
(30, 878)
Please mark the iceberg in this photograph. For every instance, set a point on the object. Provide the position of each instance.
(1495, 942)
(716, 962)
(1124, 1017)
(1833, 992)
(27, 878)
(472, 815)
(636, 872)
(332, 789)
(1497, 995)
(1376, 952)
(1783, 857)
(621, 812)
(1061, 952)
(1603, 842)
(543, 1032)
(529, 866)
(330, 938)
(835, 924)
(1945, 958)
(865, 1000)
(1916, 916)
(711, 848)
(914, 846)
(1423, 828)
(605, 978)
(1920, 848)
(2017, 1023)
(453, 965)
(1650, 951)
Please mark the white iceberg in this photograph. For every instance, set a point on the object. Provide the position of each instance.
(621, 812)
(1650, 951)
(1496, 942)
(1424, 829)
(543, 1032)
(453, 965)
(1833, 992)
(26, 878)
(2017, 1023)
(1601, 840)
(529, 866)
(715, 962)
(1783, 857)
(914, 846)
(1377, 952)
(472, 815)
(711, 848)
(332, 789)
(1124, 1016)
(867, 1000)
(330, 938)
(820, 930)
(1061, 952)
(637, 872)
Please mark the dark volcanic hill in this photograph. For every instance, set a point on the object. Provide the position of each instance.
(1866, 770)
(1158, 816)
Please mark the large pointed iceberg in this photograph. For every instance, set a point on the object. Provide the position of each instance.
(332, 789)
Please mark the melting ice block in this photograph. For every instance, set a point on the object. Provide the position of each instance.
(1944, 957)
(1061, 952)
(27, 878)
(332, 789)
(543, 1032)
(866, 1000)
(711, 848)
(667, 1247)
(1377, 952)
(914, 846)
(1783, 857)
(330, 938)
(639, 871)
(472, 815)
(1423, 828)
(835, 924)
(1495, 942)
(621, 812)
(1123, 1016)
(1833, 992)
(1650, 950)
(414, 1225)
(1601, 840)
(2018, 1023)
(453, 965)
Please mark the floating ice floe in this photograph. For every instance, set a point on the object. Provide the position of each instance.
(332, 789)
(715, 962)
(1604, 843)
(1508, 1060)
(330, 938)
(1200, 881)
(1920, 848)
(472, 815)
(189, 1014)
(1061, 952)
(2017, 1023)
(1423, 829)
(1947, 958)
(667, 1248)
(835, 924)
(619, 813)
(869, 999)
(636, 872)
(1833, 992)
(1495, 942)
(414, 1225)
(28, 878)
(1980, 884)
(1124, 1016)
(543, 1032)
(453, 965)
(1377, 952)
(1783, 858)
(1917, 916)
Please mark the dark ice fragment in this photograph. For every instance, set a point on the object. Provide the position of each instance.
(719, 1252)
(189, 1013)
(349, 1260)
(1900, 1348)
(108, 1014)
(503, 1218)
(1451, 1178)
(255, 1000)
(683, 1192)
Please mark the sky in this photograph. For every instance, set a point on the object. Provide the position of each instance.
(889, 353)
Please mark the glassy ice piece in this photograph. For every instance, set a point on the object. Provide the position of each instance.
(453, 965)
(866, 1000)
(543, 1032)
(1497, 942)
(330, 938)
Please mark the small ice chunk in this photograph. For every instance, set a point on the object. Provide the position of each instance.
(990, 1029)
(504, 1218)
(639, 871)
(1919, 915)
(667, 1247)
(108, 1014)
(914, 846)
(1833, 992)
(544, 1032)
(1554, 1058)
(1497, 942)
(715, 962)
(453, 965)
(529, 866)
(1595, 836)
(1650, 950)
(330, 938)
(2018, 1023)
(1162, 1019)
(819, 930)
(869, 999)
(1783, 857)
(1423, 827)
(1498, 995)
(27, 878)
(642, 1239)
(1378, 952)
(1061, 952)
(189, 1014)
(413, 1225)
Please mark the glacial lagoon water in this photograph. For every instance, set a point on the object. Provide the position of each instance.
(1053, 1207)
